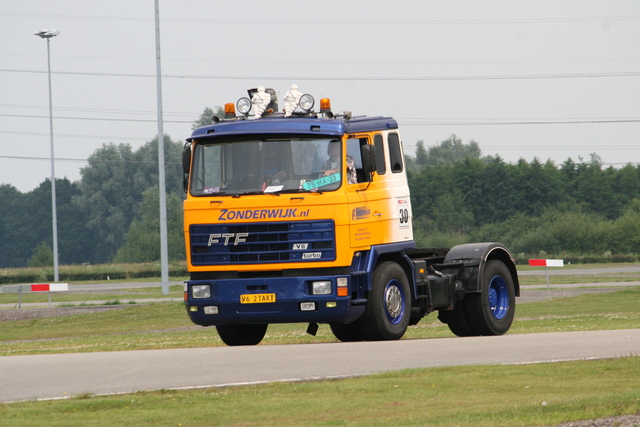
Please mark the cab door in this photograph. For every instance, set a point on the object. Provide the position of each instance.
(365, 199)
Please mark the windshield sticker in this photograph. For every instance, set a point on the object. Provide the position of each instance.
(210, 190)
(321, 182)
(273, 188)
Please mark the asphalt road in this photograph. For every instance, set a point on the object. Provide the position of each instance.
(65, 375)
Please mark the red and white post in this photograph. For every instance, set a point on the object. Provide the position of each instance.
(546, 263)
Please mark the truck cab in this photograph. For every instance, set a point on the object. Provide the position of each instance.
(305, 217)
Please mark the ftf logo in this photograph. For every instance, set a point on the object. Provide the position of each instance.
(237, 238)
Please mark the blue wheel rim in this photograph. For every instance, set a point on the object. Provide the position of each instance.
(394, 302)
(498, 297)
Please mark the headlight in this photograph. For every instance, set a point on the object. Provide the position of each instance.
(321, 287)
(201, 291)
(306, 102)
(244, 105)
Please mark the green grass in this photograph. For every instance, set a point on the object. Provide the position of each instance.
(456, 396)
(166, 325)
(588, 312)
(453, 396)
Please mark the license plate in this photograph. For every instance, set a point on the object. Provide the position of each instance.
(257, 298)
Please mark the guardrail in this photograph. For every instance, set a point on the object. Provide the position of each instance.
(36, 287)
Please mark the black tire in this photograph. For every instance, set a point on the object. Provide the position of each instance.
(346, 332)
(457, 321)
(233, 335)
(388, 310)
(491, 311)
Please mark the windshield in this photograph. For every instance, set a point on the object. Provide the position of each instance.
(274, 166)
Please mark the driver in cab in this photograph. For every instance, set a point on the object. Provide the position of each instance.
(332, 164)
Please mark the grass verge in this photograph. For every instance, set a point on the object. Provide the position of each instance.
(516, 395)
(166, 325)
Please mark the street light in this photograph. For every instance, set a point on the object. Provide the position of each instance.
(164, 250)
(48, 34)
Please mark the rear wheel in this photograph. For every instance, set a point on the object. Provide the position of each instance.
(388, 310)
(457, 320)
(233, 335)
(491, 311)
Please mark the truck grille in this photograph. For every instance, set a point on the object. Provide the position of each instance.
(304, 241)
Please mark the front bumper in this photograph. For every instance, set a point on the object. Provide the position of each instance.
(292, 297)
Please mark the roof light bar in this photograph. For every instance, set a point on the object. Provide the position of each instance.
(263, 101)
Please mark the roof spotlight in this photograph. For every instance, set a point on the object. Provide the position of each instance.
(306, 102)
(244, 105)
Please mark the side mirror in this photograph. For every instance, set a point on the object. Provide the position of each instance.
(186, 158)
(368, 158)
(186, 165)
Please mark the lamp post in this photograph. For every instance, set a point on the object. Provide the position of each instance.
(48, 34)
(164, 250)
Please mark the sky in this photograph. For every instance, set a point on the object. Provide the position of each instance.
(525, 79)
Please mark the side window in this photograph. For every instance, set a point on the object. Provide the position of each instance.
(353, 151)
(395, 153)
(381, 165)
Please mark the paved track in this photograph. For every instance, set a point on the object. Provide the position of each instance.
(64, 375)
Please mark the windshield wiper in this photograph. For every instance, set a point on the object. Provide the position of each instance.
(254, 193)
(291, 190)
(248, 193)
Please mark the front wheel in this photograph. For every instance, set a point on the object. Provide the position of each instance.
(491, 311)
(233, 335)
(388, 310)
(346, 332)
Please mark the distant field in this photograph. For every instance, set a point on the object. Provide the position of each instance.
(86, 273)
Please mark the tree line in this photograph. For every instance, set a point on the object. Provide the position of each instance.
(458, 196)
(110, 215)
(535, 208)
(98, 216)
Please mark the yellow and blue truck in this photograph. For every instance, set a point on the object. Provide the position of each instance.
(305, 217)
